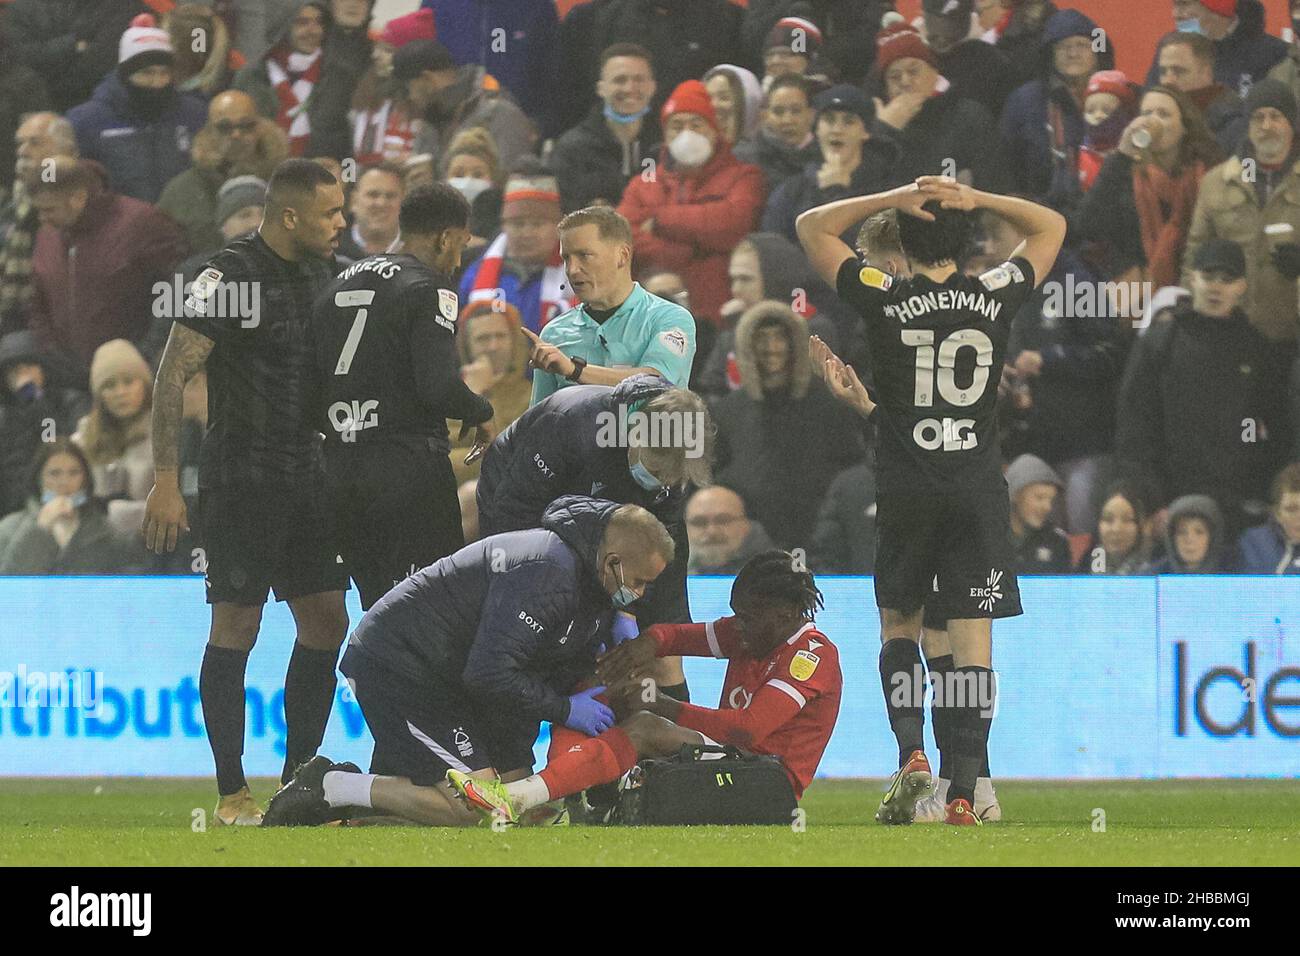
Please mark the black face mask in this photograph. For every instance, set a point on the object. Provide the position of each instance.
(149, 103)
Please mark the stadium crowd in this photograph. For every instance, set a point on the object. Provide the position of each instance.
(1151, 400)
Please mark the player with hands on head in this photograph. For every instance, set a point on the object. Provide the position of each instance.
(937, 339)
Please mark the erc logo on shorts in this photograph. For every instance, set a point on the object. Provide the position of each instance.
(991, 593)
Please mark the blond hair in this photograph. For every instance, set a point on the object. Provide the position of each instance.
(638, 531)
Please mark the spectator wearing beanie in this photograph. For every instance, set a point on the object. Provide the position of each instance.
(931, 126)
(1255, 215)
(522, 264)
(1042, 125)
(847, 27)
(1109, 105)
(1140, 208)
(977, 70)
(62, 529)
(526, 65)
(136, 125)
(1186, 62)
(792, 48)
(71, 46)
(235, 142)
(594, 160)
(241, 202)
(701, 201)
(304, 84)
(1244, 52)
(105, 288)
(1202, 405)
(115, 434)
(853, 162)
(382, 125)
(447, 98)
(1038, 545)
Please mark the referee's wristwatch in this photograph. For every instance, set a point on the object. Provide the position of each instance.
(579, 363)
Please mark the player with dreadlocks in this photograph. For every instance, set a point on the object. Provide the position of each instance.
(780, 697)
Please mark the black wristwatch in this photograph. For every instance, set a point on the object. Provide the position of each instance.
(579, 363)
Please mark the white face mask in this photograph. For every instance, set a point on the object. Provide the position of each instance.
(468, 186)
(691, 148)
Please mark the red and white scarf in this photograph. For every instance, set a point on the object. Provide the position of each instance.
(553, 298)
(294, 76)
(385, 132)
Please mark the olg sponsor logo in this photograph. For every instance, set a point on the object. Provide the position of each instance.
(660, 429)
(1086, 299)
(66, 690)
(209, 297)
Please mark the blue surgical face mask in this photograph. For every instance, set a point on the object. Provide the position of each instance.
(642, 476)
(616, 117)
(624, 596)
(78, 498)
(1190, 25)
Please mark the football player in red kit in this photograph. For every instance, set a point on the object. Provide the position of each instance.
(780, 697)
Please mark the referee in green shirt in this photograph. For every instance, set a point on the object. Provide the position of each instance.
(618, 328)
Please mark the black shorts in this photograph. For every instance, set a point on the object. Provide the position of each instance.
(422, 732)
(958, 539)
(395, 507)
(261, 537)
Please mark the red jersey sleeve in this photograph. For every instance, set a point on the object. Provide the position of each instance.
(769, 709)
(807, 669)
(718, 638)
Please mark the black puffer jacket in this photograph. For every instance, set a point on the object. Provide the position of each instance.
(514, 619)
(1245, 55)
(590, 164)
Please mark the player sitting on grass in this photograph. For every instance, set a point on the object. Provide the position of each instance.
(781, 695)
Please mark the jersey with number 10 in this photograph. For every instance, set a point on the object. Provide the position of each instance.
(937, 351)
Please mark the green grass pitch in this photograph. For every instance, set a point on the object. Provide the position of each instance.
(127, 821)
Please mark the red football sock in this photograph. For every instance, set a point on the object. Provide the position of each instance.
(588, 763)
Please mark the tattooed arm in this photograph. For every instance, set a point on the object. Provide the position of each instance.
(164, 515)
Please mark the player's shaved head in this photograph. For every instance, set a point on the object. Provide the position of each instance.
(294, 184)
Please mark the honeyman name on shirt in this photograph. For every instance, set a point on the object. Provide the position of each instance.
(913, 307)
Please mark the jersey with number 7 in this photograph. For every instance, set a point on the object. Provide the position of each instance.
(937, 351)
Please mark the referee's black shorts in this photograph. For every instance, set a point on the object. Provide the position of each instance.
(421, 732)
(258, 537)
(958, 538)
(394, 503)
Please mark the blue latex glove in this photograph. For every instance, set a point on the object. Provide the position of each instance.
(588, 715)
(622, 628)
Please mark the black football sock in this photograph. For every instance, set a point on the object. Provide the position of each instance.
(221, 692)
(308, 696)
(940, 715)
(677, 692)
(900, 678)
(975, 689)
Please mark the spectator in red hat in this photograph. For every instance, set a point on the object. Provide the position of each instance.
(936, 131)
(690, 210)
(1109, 106)
(846, 29)
(1243, 50)
(1186, 62)
(382, 125)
